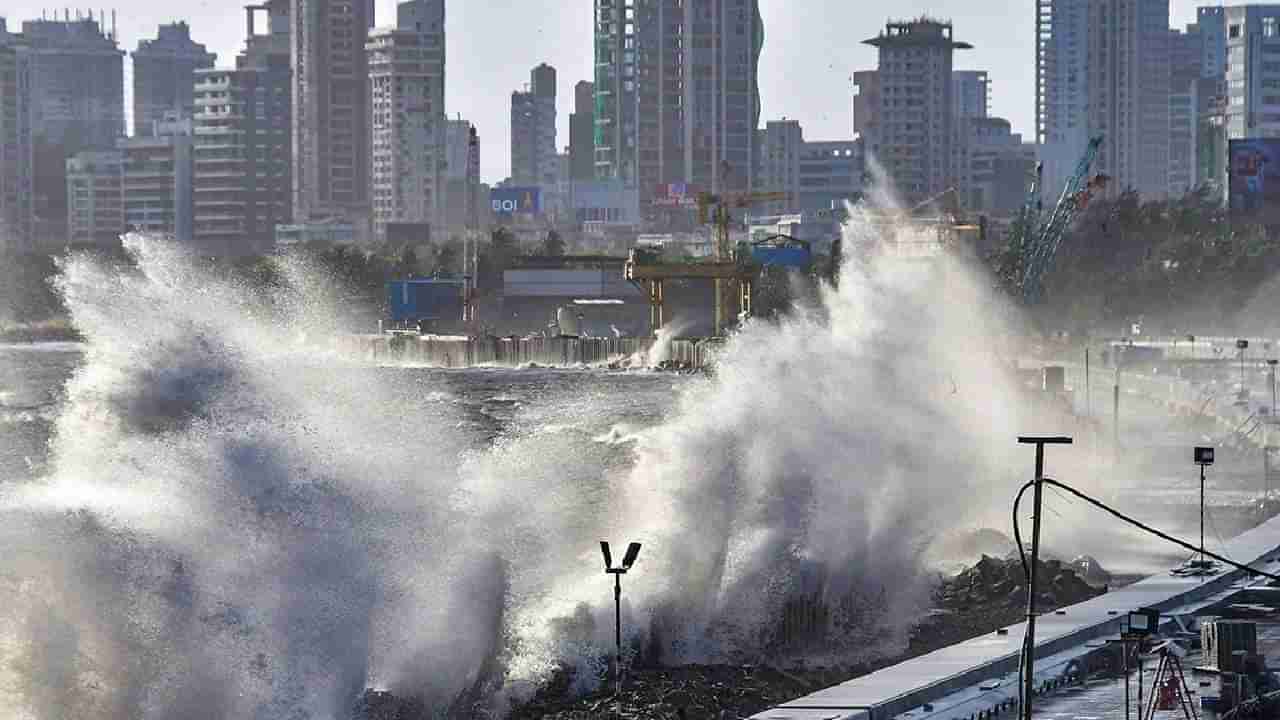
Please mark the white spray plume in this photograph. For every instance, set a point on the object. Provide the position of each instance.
(235, 527)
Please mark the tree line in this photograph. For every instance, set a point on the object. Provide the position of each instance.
(1174, 266)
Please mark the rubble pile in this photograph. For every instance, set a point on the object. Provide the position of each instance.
(988, 595)
(688, 692)
(992, 581)
(992, 594)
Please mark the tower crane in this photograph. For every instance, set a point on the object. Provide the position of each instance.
(1034, 240)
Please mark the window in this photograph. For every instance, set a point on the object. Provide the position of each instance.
(1233, 31)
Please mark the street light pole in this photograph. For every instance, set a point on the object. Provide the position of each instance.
(1271, 369)
(1203, 457)
(1029, 643)
(1242, 345)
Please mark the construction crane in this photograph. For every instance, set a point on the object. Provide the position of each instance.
(1034, 240)
(721, 217)
(716, 210)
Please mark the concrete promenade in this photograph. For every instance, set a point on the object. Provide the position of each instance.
(978, 678)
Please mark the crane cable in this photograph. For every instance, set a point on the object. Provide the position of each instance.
(1026, 569)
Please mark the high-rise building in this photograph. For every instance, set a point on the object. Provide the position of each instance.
(157, 178)
(16, 147)
(831, 174)
(95, 207)
(915, 135)
(866, 103)
(781, 145)
(1103, 67)
(1062, 87)
(993, 166)
(331, 110)
(533, 130)
(242, 150)
(77, 103)
(1197, 102)
(971, 94)
(1253, 71)
(406, 81)
(164, 75)
(1211, 25)
(582, 146)
(677, 93)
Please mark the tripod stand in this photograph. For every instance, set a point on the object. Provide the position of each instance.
(1169, 688)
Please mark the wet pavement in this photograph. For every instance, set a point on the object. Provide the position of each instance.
(1103, 698)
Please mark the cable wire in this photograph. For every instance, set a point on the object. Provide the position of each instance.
(1132, 521)
(1027, 648)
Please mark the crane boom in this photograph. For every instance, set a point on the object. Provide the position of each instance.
(1035, 241)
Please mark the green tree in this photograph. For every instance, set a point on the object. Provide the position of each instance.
(407, 263)
(553, 245)
(449, 256)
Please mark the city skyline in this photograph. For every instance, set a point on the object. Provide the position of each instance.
(827, 52)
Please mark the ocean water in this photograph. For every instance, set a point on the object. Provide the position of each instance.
(206, 513)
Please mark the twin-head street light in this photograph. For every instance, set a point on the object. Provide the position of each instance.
(633, 552)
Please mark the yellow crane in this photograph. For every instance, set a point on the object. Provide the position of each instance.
(716, 210)
(720, 216)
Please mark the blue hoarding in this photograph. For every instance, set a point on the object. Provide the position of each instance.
(1254, 174)
(516, 200)
(433, 299)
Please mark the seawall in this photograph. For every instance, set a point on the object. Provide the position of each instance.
(456, 351)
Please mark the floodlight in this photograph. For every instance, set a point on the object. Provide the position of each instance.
(1204, 455)
(1242, 344)
(629, 559)
(1144, 621)
(633, 551)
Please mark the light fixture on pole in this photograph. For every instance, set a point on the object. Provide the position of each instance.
(633, 552)
(1029, 643)
(1203, 457)
(1242, 398)
(1271, 369)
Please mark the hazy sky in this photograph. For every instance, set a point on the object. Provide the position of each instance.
(811, 49)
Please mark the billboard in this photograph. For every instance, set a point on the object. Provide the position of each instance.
(1254, 167)
(675, 195)
(516, 200)
(560, 283)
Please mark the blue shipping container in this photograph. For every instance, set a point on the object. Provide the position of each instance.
(431, 299)
(790, 255)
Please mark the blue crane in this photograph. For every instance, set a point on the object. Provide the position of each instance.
(1034, 240)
